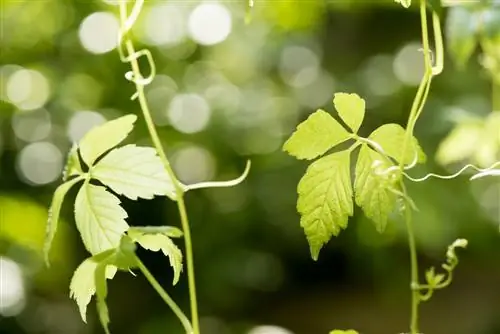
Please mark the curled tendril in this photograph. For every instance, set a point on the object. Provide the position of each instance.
(128, 22)
(481, 173)
(221, 184)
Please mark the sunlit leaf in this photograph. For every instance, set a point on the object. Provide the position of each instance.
(99, 218)
(83, 284)
(391, 138)
(169, 231)
(102, 292)
(135, 172)
(156, 242)
(53, 219)
(316, 135)
(325, 199)
(73, 166)
(372, 187)
(404, 3)
(104, 137)
(351, 109)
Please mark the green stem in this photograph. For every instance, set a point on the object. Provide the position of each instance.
(178, 187)
(139, 83)
(164, 295)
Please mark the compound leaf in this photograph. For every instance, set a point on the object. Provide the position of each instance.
(156, 242)
(316, 135)
(351, 109)
(54, 211)
(373, 191)
(391, 137)
(135, 172)
(325, 199)
(104, 137)
(99, 218)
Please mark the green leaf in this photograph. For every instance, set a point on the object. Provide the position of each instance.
(156, 242)
(99, 218)
(338, 331)
(461, 28)
(351, 109)
(104, 137)
(53, 219)
(135, 172)
(372, 191)
(316, 135)
(404, 3)
(325, 199)
(460, 144)
(102, 292)
(83, 283)
(73, 166)
(169, 231)
(391, 138)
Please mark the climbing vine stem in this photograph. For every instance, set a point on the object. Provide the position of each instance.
(140, 81)
(415, 112)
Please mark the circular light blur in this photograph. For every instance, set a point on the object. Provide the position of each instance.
(32, 126)
(317, 93)
(12, 292)
(299, 66)
(99, 32)
(378, 76)
(5, 72)
(27, 89)
(40, 163)
(209, 23)
(82, 122)
(269, 330)
(194, 164)
(409, 65)
(165, 25)
(189, 113)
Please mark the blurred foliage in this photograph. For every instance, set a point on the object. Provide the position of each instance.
(240, 99)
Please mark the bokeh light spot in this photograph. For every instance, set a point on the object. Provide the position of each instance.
(12, 292)
(409, 65)
(269, 330)
(194, 164)
(82, 122)
(32, 126)
(165, 25)
(27, 89)
(189, 113)
(40, 163)
(209, 23)
(99, 32)
(299, 66)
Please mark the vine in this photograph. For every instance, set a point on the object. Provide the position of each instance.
(326, 192)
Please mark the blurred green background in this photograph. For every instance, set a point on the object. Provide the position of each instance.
(226, 92)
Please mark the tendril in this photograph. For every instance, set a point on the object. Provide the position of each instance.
(480, 171)
(129, 21)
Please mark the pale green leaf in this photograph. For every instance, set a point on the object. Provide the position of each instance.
(104, 137)
(338, 331)
(325, 199)
(351, 109)
(102, 292)
(404, 3)
(316, 135)
(73, 166)
(391, 137)
(169, 231)
(54, 211)
(460, 144)
(373, 191)
(135, 172)
(156, 242)
(83, 284)
(99, 218)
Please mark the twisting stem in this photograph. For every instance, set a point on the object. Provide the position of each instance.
(139, 81)
(415, 294)
(164, 295)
